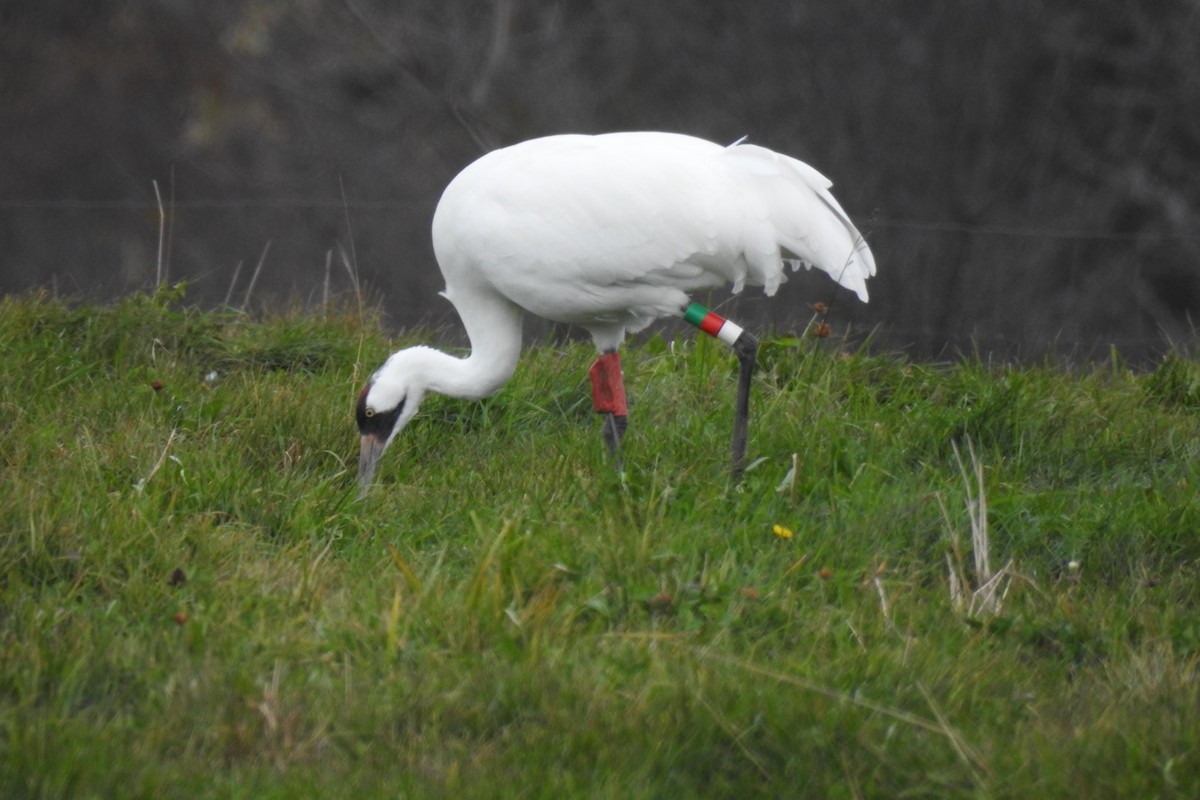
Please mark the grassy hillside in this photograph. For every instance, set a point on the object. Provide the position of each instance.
(193, 604)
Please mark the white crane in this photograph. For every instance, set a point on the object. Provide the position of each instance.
(609, 232)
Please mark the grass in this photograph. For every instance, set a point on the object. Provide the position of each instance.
(192, 604)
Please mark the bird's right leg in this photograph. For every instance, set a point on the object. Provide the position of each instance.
(608, 398)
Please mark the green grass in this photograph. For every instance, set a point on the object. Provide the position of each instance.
(193, 604)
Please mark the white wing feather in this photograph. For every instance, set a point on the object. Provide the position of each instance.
(804, 218)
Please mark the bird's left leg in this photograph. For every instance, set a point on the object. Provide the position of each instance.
(745, 347)
(746, 350)
(608, 397)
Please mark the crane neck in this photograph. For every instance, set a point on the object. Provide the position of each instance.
(493, 325)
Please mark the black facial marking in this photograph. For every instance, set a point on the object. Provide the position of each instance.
(377, 422)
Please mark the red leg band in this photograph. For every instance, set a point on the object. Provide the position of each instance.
(608, 387)
(712, 324)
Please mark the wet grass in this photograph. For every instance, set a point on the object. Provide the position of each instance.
(193, 604)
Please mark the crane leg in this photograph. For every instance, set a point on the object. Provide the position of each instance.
(745, 347)
(746, 350)
(614, 428)
(608, 398)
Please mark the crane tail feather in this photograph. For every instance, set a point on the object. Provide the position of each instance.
(800, 216)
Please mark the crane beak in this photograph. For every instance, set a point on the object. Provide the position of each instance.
(371, 447)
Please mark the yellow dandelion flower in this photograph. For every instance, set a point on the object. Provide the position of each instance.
(782, 532)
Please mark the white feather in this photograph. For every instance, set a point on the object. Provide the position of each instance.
(620, 228)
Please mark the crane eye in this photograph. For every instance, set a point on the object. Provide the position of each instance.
(368, 411)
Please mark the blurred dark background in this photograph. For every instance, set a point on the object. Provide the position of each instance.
(1026, 172)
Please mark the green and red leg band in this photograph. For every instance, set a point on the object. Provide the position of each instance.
(713, 324)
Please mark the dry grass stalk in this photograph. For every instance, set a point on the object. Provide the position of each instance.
(254, 278)
(990, 588)
(162, 224)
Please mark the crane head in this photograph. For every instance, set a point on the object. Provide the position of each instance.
(375, 428)
(385, 406)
